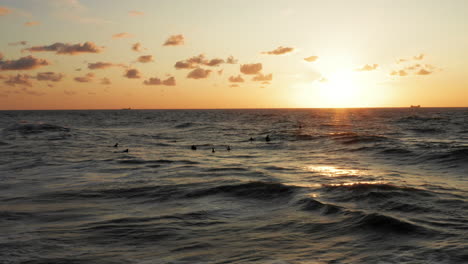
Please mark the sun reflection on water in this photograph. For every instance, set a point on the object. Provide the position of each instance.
(330, 171)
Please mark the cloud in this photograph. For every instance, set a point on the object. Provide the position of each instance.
(251, 69)
(175, 40)
(145, 58)
(69, 93)
(401, 60)
(214, 62)
(68, 49)
(220, 72)
(419, 57)
(132, 74)
(196, 61)
(22, 43)
(4, 11)
(236, 79)
(368, 67)
(84, 79)
(105, 81)
(136, 13)
(311, 58)
(49, 76)
(156, 81)
(169, 81)
(35, 93)
(122, 35)
(32, 23)
(279, 51)
(423, 72)
(399, 73)
(100, 65)
(19, 79)
(234, 85)
(260, 77)
(199, 73)
(231, 60)
(24, 63)
(137, 47)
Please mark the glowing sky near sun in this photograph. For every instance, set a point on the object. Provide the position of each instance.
(110, 54)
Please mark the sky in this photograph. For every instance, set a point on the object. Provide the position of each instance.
(203, 54)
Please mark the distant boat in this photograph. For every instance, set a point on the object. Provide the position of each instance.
(126, 108)
(415, 106)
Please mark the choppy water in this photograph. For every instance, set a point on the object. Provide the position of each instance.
(332, 186)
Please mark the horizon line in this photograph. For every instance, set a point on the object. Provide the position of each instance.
(258, 108)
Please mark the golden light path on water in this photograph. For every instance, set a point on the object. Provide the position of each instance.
(330, 171)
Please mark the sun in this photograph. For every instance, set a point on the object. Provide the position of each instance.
(340, 89)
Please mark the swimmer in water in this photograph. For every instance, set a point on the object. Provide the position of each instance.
(194, 147)
(267, 138)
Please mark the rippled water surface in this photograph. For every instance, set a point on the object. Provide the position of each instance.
(331, 186)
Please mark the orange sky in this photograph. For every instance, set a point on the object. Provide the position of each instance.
(71, 54)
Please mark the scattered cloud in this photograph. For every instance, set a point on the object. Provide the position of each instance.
(196, 61)
(122, 35)
(311, 58)
(220, 72)
(145, 58)
(19, 79)
(105, 81)
(49, 76)
(69, 93)
(84, 79)
(214, 62)
(100, 65)
(24, 63)
(236, 79)
(234, 85)
(419, 57)
(231, 60)
(368, 67)
(323, 79)
(260, 77)
(32, 23)
(423, 72)
(251, 69)
(132, 74)
(399, 73)
(30, 92)
(4, 11)
(175, 40)
(199, 73)
(156, 81)
(19, 43)
(136, 13)
(279, 51)
(68, 49)
(137, 47)
(169, 81)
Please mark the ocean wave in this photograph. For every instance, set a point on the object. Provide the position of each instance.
(310, 204)
(396, 151)
(29, 128)
(454, 155)
(386, 224)
(185, 125)
(415, 118)
(349, 138)
(255, 190)
(372, 192)
(427, 130)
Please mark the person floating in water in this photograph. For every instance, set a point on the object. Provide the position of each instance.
(125, 151)
(251, 139)
(194, 147)
(116, 145)
(267, 138)
(228, 148)
(213, 150)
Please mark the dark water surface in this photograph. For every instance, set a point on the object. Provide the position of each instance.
(332, 186)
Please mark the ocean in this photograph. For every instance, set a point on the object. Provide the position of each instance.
(384, 185)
